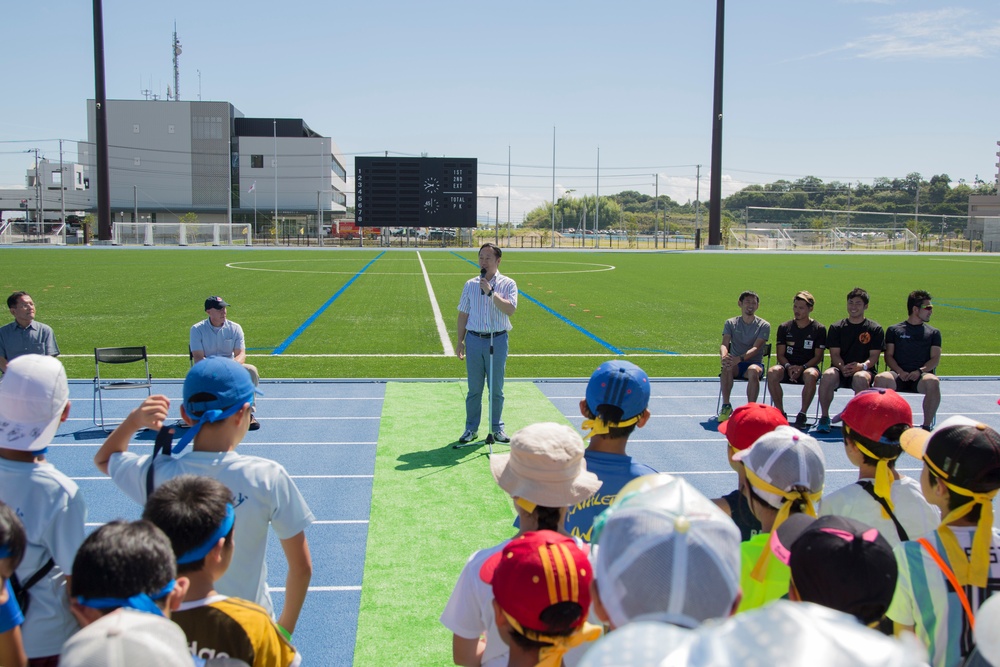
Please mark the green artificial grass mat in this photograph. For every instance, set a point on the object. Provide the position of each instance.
(432, 507)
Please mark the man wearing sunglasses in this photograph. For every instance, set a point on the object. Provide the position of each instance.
(912, 353)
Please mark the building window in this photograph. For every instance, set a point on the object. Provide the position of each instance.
(256, 161)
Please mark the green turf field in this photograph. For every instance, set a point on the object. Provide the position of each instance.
(576, 309)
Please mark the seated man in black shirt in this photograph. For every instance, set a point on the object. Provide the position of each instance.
(800, 344)
(855, 344)
(912, 353)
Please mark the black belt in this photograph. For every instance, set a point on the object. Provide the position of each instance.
(478, 334)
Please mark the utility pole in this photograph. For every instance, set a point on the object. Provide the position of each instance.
(697, 200)
(39, 210)
(656, 214)
(715, 196)
(103, 174)
(553, 244)
(62, 192)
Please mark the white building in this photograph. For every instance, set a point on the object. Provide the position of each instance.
(49, 190)
(171, 158)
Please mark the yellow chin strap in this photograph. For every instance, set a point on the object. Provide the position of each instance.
(883, 475)
(759, 571)
(975, 570)
(598, 426)
(551, 656)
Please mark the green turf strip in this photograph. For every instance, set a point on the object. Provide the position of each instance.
(432, 507)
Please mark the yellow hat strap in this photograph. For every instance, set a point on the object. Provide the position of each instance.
(759, 571)
(974, 570)
(551, 656)
(883, 477)
(598, 426)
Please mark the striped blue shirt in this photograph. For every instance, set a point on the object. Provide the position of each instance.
(484, 316)
(925, 599)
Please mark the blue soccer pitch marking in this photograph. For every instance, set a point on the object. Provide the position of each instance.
(325, 434)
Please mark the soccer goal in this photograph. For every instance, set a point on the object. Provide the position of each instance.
(181, 234)
(853, 238)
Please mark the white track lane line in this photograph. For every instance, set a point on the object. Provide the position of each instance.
(449, 351)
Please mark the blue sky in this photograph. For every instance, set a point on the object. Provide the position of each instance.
(839, 89)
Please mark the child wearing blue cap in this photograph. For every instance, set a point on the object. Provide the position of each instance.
(218, 397)
(615, 405)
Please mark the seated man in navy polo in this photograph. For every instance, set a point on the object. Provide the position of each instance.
(912, 353)
(800, 342)
(218, 336)
(24, 335)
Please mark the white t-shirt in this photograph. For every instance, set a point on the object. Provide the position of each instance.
(469, 612)
(263, 494)
(53, 512)
(916, 515)
(925, 600)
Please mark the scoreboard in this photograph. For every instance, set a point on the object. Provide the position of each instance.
(415, 192)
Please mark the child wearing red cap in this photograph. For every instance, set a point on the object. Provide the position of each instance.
(873, 422)
(541, 597)
(545, 474)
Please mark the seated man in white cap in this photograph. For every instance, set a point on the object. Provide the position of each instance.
(218, 336)
(34, 400)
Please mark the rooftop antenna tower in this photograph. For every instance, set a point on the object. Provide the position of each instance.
(177, 71)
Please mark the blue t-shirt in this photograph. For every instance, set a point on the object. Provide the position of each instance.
(615, 470)
(10, 612)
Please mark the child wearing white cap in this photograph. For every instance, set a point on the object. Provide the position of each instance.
(784, 475)
(34, 400)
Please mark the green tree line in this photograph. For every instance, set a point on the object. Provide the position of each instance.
(636, 212)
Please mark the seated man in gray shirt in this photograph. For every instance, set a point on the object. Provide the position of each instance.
(743, 339)
(24, 335)
(218, 336)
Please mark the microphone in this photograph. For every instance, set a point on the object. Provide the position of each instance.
(482, 274)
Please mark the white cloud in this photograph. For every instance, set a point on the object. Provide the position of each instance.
(940, 34)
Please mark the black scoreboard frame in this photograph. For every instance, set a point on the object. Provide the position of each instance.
(415, 192)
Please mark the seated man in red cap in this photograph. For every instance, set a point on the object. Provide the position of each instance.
(541, 597)
(873, 422)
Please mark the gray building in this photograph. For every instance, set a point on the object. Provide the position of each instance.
(984, 217)
(171, 158)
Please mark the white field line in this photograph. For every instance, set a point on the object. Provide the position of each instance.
(449, 351)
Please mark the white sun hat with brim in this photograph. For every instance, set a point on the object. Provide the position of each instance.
(545, 466)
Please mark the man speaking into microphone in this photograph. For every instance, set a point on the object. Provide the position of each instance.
(484, 313)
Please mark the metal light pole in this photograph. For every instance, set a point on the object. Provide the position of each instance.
(715, 196)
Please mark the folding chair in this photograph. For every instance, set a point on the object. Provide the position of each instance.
(117, 355)
(766, 362)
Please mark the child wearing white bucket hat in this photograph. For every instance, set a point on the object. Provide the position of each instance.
(544, 473)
